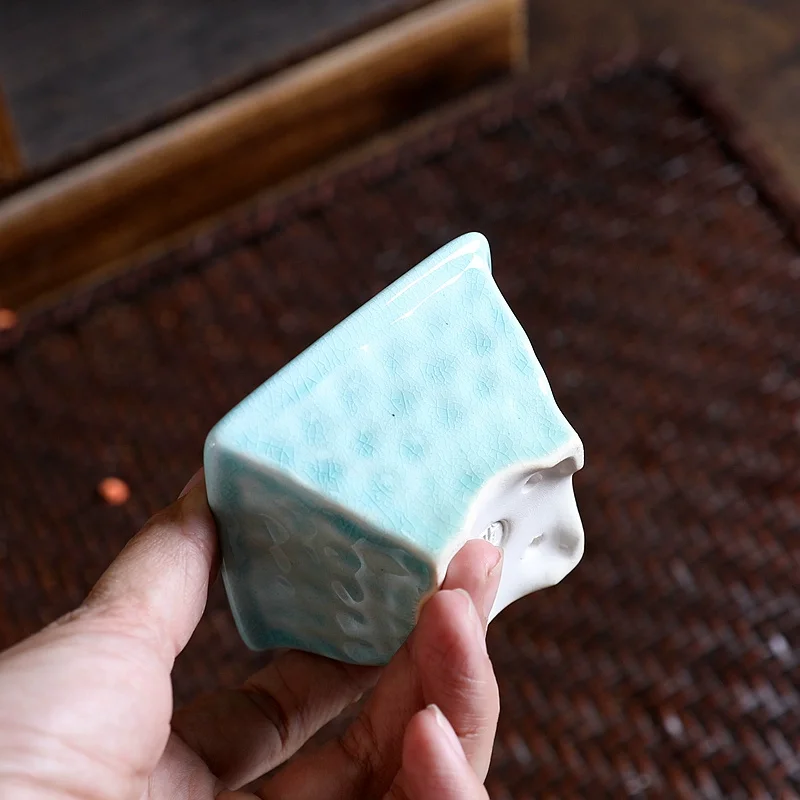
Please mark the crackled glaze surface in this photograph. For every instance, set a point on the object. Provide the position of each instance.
(417, 422)
(300, 571)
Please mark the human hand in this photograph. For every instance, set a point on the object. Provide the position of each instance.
(86, 704)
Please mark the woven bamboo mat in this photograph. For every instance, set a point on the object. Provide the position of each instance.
(662, 296)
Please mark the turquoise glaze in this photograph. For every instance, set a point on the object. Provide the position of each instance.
(344, 484)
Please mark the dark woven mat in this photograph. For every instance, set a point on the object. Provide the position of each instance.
(663, 298)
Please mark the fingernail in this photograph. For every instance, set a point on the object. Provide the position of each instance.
(489, 597)
(472, 612)
(497, 559)
(447, 730)
(195, 479)
(470, 605)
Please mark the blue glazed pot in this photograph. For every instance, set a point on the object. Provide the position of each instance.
(344, 485)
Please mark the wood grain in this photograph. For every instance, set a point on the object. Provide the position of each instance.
(80, 224)
(84, 76)
(10, 157)
(93, 219)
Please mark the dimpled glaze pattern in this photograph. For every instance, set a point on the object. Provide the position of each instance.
(300, 571)
(344, 484)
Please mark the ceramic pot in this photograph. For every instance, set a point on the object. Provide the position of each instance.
(344, 485)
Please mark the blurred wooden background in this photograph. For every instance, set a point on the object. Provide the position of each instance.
(119, 125)
(92, 217)
(82, 75)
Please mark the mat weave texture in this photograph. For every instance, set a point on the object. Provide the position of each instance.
(662, 297)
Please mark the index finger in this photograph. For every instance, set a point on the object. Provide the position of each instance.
(445, 662)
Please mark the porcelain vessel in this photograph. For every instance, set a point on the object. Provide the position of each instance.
(344, 485)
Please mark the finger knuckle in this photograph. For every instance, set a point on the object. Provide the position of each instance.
(361, 746)
(272, 710)
(397, 792)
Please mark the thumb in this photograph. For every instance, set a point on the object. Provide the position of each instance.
(158, 585)
(85, 704)
(434, 764)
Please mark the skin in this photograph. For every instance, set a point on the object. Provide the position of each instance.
(86, 704)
